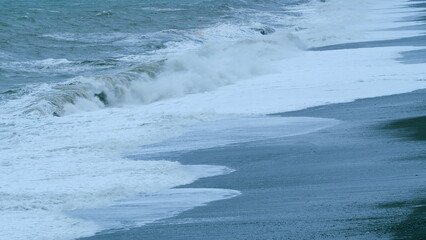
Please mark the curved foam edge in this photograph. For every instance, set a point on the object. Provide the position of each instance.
(147, 208)
(235, 131)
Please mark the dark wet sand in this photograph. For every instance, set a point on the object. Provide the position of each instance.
(362, 179)
(414, 225)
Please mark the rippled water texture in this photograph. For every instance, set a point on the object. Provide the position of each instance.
(50, 41)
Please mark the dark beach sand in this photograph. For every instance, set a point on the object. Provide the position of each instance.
(362, 179)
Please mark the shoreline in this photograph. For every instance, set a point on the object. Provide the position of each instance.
(92, 122)
(337, 183)
(361, 210)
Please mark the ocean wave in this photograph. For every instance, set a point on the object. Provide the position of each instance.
(158, 9)
(90, 38)
(56, 66)
(204, 69)
(104, 13)
(174, 63)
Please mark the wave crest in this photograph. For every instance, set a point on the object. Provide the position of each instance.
(211, 66)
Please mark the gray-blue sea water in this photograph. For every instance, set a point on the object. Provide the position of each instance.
(49, 41)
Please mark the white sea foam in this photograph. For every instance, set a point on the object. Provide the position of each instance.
(50, 65)
(236, 130)
(139, 210)
(38, 65)
(49, 165)
(333, 22)
(327, 77)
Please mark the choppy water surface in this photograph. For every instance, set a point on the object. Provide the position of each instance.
(52, 41)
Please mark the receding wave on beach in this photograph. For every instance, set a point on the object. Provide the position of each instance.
(84, 86)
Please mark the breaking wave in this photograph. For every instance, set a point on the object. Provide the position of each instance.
(198, 70)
